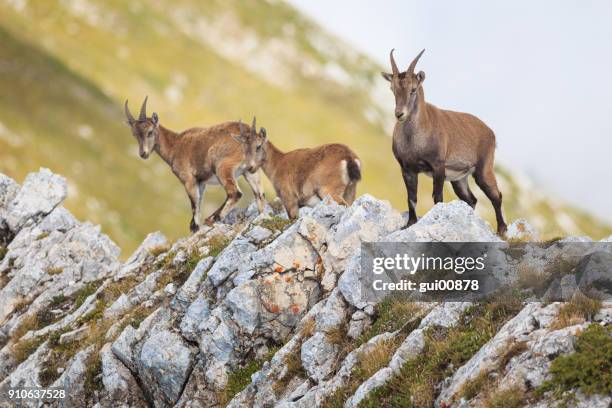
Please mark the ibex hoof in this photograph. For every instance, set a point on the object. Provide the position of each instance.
(410, 223)
(193, 227)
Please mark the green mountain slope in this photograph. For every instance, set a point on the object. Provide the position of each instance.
(66, 67)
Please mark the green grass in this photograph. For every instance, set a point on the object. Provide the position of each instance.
(238, 379)
(391, 315)
(445, 351)
(588, 369)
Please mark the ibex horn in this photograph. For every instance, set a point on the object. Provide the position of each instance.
(143, 110)
(241, 127)
(393, 64)
(412, 65)
(254, 125)
(128, 115)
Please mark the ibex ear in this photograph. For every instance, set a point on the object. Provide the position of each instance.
(155, 118)
(420, 77)
(263, 134)
(387, 76)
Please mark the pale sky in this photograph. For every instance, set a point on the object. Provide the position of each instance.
(539, 73)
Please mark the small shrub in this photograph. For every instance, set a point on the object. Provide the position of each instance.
(588, 369)
(579, 309)
(275, 223)
(57, 301)
(159, 249)
(472, 387)
(513, 397)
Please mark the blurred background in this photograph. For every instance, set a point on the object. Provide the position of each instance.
(309, 70)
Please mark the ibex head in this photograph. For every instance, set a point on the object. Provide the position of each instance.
(145, 130)
(405, 86)
(253, 145)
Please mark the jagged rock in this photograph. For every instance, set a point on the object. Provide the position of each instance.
(258, 234)
(229, 261)
(197, 312)
(119, 383)
(72, 379)
(366, 220)
(165, 364)
(452, 222)
(74, 335)
(593, 275)
(40, 194)
(143, 252)
(520, 230)
(318, 356)
(176, 340)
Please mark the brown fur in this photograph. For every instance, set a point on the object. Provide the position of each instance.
(303, 175)
(197, 157)
(444, 144)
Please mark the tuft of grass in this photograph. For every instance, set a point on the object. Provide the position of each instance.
(159, 249)
(23, 349)
(93, 375)
(276, 223)
(445, 350)
(392, 314)
(588, 369)
(117, 288)
(27, 323)
(472, 387)
(86, 291)
(579, 309)
(57, 301)
(3, 252)
(216, 244)
(239, 379)
(513, 397)
(293, 362)
(54, 270)
(369, 363)
(308, 328)
(337, 335)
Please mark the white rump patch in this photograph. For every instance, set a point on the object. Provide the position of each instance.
(344, 172)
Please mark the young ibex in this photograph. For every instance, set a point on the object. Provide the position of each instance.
(441, 143)
(304, 176)
(198, 156)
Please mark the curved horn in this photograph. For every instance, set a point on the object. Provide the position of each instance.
(393, 64)
(241, 127)
(254, 125)
(143, 110)
(128, 115)
(412, 65)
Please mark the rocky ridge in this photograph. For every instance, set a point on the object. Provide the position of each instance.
(256, 311)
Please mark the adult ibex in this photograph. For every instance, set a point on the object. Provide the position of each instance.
(445, 145)
(304, 176)
(198, 156)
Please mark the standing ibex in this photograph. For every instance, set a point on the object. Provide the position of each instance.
(304, 176)
(198, 156)
(441, 143)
